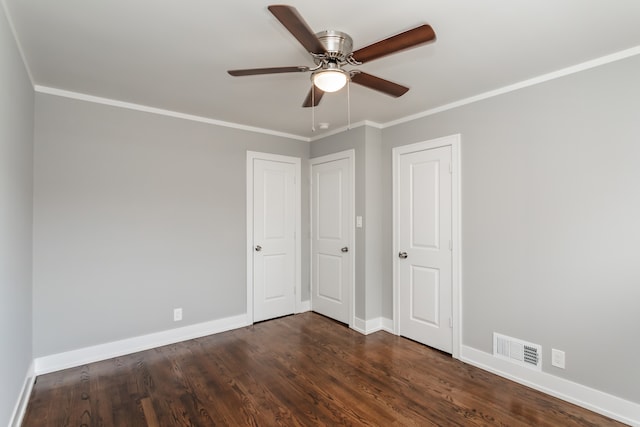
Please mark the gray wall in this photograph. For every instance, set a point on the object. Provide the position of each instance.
(377, 252)
(550, 220)
(136, 214)
(16, 195)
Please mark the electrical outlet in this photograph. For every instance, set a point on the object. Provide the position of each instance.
(177, 314)
(557, 358)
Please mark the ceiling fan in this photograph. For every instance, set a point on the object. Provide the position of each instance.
(331, 50)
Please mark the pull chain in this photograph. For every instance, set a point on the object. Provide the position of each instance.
(313, 108)
(349, 104)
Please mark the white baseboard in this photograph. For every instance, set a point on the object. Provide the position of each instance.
(23, 398)
(359, 325)
(370, 326)
(70, 359)
(586, 397)
(578, 394)
(304, 306)
(387, 325)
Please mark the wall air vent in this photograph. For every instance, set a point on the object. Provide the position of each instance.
(517, 351)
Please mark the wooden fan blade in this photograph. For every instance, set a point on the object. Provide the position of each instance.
(381, 85)
(411, 38)
(292, 21)
(272, 70)
(317, 96)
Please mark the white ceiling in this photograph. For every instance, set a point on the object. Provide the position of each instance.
(173, 54)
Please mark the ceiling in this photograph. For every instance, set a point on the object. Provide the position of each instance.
(174, 54)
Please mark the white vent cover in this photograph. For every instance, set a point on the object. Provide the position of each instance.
(517, 351)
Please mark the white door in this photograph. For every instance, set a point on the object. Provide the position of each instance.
(274, 234)
(332, 230)
(423, 187)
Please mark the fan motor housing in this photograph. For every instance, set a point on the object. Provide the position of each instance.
(338, 45)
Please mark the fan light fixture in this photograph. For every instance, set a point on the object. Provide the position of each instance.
(330, 50)
(330, 79)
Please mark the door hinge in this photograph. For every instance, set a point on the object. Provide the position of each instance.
(450, 245)
(450, 322)
(451, 168)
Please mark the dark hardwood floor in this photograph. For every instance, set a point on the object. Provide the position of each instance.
(294, 371)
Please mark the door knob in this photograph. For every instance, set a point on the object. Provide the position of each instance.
(258, 248)
(345, 249)
(403, 255)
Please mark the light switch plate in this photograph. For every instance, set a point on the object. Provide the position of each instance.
(557, 358)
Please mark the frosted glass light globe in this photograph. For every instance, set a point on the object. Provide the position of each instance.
(330, 80)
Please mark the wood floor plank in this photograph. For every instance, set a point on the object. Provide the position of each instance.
(149, 413)
(300, 370)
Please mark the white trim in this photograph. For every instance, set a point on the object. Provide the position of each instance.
(617, 56)
(359, 325)
(350, 155)
(23, 398)
(297, 162)
(346, 128)
(578, 394)
(162, 112)
(304, 306)
(387, 325)
(249, 243)
(586, 397)
(456, 237)
(370, 326)
(603, 60)
(456, 233)
(69, 359)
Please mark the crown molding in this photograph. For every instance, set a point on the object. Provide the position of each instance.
(521, 85)
(162, 112)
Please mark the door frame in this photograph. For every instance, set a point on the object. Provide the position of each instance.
(456, 274)
(350, 156)
(296, 161)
